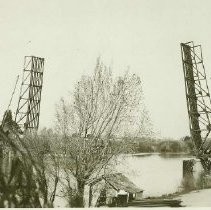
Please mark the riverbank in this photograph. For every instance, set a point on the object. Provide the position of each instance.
(196, 198)
(170, 154)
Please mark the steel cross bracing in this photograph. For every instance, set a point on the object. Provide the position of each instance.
(197, 96)
(28, 110)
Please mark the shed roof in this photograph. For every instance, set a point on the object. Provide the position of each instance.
(120, 182)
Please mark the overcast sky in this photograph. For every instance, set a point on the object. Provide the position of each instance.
(142, 34)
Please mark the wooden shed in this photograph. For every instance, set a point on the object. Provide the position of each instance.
(118, 191)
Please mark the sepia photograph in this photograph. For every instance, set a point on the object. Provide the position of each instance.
(105, 103)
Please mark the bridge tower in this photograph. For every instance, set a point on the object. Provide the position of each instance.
(198, 100)
(28, 110)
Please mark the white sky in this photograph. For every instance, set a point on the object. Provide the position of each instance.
(142, 34)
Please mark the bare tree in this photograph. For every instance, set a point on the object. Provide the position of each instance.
(100, 108)
(24, 172)
(44, 152)
(100, 105)
(144, 124)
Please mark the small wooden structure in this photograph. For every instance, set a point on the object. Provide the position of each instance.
(118, 191)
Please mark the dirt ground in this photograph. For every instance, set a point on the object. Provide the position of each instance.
(198, 198)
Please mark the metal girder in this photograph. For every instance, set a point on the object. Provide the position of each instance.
(197, 97)
(28, 110)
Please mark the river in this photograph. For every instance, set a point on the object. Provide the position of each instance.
(156, 174)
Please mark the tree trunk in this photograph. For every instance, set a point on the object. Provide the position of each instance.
(79, 199)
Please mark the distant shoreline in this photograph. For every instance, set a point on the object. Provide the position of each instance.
(160, 153)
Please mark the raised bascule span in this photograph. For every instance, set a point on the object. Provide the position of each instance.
(28, 110)
(198, 101)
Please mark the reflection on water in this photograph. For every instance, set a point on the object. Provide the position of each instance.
(155, 174)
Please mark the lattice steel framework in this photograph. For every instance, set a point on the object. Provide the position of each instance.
(198, 97)
(28, 110)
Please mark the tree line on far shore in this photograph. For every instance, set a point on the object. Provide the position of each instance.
(150, 145)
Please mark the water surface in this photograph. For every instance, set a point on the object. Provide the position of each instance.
(154, 173)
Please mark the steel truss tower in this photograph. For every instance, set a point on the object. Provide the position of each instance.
(28, 110)
(198, 99)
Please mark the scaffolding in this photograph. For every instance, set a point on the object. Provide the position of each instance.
(28, 110)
